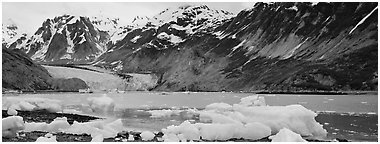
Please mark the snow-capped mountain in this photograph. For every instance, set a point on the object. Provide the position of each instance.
(170, 27)
(11, 33)
(272, 46)
(68, 39)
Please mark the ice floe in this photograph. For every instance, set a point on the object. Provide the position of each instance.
(11, 125)
(30, 104)
(249, 119)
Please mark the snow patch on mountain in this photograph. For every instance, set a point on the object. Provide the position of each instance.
(361, 21)
(11, 32)
(134, 40)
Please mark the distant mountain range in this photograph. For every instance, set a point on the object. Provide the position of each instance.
(272, 46)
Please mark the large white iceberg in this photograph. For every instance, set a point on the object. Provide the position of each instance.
(11, 125)
(294, 117)
(249, 119)
(216, 131)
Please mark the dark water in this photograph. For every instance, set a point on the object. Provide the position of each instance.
(355, 127)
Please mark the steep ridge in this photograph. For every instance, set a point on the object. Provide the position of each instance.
(275, 47)
(68, 39)
(12, 33)
(19, 72)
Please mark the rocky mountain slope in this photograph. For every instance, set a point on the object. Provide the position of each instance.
(19, 72)
(275, 47)
(272, 46)
(69, 39)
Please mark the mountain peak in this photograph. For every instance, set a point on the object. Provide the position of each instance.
(11, 32)
(187, 12)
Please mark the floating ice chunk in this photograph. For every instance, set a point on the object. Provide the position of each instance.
(11, 125)
(48, 135)
(253, 100)
(30, 104)
(57, 124)
(26, 106)
(107, 128)
(147, 135)
(286, 135)
(219, 107)
(11, 111)
(294, 117)
(170, 138)
(97, 138)
(187, 130)
(33, 126)
(102, 105)
(47, 139)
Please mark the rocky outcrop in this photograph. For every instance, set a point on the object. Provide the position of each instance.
(20, 73)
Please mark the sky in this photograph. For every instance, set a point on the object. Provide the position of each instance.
(30, 15)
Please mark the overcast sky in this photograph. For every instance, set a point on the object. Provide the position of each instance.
(29, 16)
